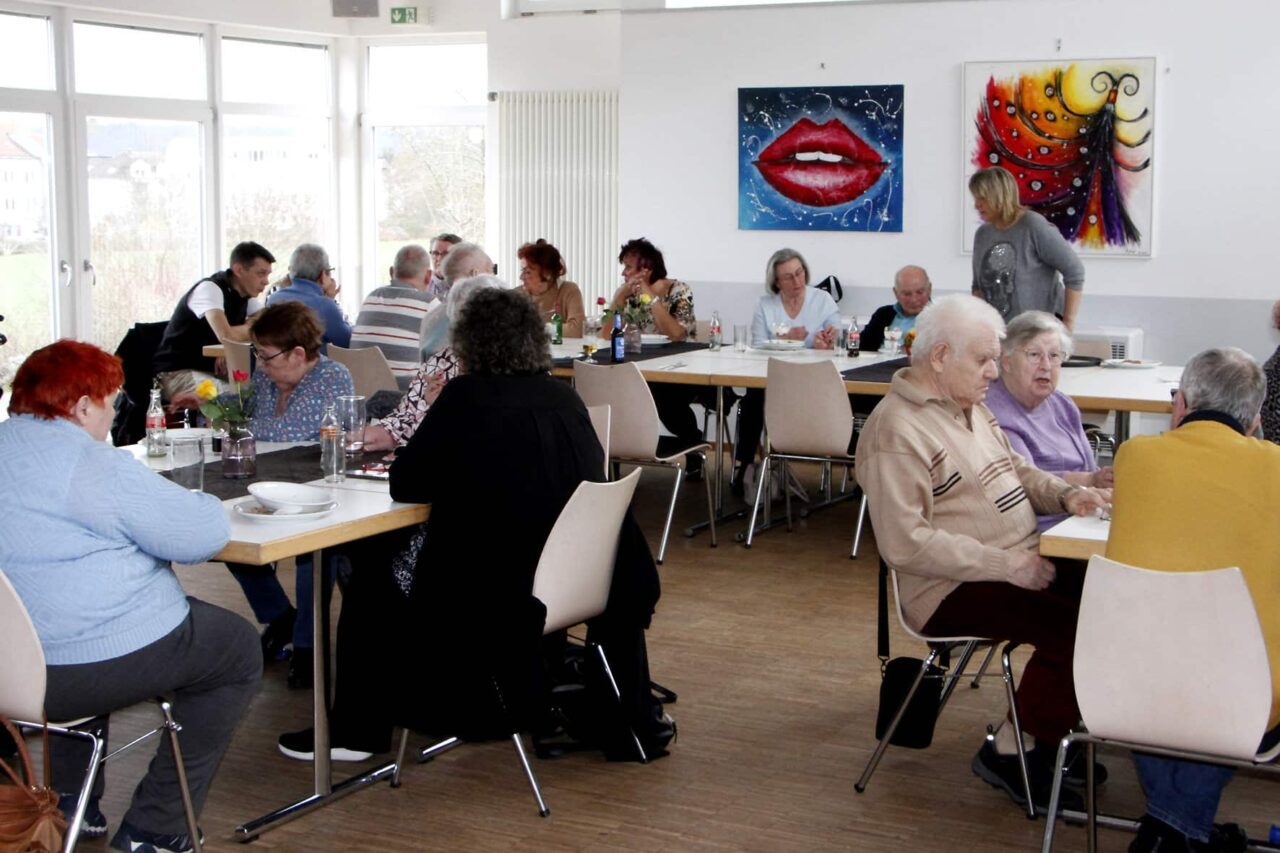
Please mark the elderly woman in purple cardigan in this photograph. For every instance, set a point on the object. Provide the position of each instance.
(1042, 423)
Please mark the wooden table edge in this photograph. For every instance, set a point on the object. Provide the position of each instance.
(307, 541)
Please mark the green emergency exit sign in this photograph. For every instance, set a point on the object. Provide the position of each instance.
(404, 14)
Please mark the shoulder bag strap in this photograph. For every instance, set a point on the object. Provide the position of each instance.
(882, 617)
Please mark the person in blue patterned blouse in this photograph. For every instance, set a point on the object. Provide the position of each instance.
(291, 386)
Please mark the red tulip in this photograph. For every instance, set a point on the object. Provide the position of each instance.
(240, 376)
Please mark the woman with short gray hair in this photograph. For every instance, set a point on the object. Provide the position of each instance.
(1042, 423)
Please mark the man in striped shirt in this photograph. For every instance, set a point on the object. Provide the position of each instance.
(954, 511)
(391, 316)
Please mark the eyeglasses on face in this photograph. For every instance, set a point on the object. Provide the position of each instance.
(264, 358)
(1036, 356)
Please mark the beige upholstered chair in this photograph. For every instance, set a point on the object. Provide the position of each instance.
(238, 357)
(600, 418)
(22, 691)
(633, 428)
(1208, 702)
(573, 578)
(369, 369)
(937, 645)
(807, 419)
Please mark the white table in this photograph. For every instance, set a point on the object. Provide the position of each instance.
(1077, 538)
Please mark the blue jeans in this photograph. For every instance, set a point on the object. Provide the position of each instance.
(268, 599)
(1185, 794)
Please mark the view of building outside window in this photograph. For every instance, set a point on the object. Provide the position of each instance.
(26, 270)
(428, 143)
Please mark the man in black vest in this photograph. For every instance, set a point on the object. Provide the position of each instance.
(215, 309)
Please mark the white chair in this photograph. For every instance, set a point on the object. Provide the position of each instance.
(368, 367)
(1209, 701)
(807, 419)
(238, 358)
(966, 647)
(633, 429)
(22, 692)
(574, 574)
(600, 423)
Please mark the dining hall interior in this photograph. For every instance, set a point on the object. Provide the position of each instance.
(140, 140)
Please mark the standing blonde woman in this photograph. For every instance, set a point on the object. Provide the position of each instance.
(1018, 254)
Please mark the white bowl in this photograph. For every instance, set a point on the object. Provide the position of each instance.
(286, 498)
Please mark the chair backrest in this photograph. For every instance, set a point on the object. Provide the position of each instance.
(806, 409)
(575, 570)
(633, 418)
(238, 357)
(22, 678)
(369, 369)
(906, 626)
(1173, 659)
(600, 423)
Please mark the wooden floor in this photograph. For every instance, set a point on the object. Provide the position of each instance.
(772, 651)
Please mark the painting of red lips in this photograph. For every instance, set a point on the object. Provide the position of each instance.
(820, 164)
(822, 159)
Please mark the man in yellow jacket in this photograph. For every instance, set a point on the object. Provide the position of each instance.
(1204, 495)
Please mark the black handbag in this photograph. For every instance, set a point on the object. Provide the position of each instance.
(915, 729)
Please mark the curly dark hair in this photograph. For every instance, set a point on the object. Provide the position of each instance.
(286, 325)
(499, 333)
(545, 257)
(648, 256)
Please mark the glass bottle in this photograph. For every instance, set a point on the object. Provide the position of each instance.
(617, 340)
(557, 323)
(855, 338)
(333, 462)
(157, 445)
(715, 333)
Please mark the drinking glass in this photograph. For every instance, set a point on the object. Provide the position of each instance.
(739, 338)
(892, 339)
(779, 330)
(352, 418)
(186, 460)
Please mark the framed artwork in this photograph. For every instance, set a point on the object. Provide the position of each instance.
(820, 158)
(1079, 137)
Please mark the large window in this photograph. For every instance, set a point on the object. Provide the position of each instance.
(28, 56)
(26, 295)
(139, 63)
(427, 118)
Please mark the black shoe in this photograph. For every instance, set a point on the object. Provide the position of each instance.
(300, 675)
(736, 486)
(94, 824)
(302, 746)
(1001, 771)
(129, 837)
(693, 468)
(277, 637)
(1156, 836)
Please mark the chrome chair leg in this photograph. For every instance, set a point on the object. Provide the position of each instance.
(166, 708)
(543, 811)
(761, 476)
(86, 789)
(982, 670)
(404, 745)
(671, 513)
(1055, 794)
(857, 530)
(786, 490)
(957, 673)
(617, 694)
(1007, 668)
(431, 751)
(711, 506)
(861, 785)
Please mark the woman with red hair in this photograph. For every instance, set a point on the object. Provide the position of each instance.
(87, 535)
(542, 273)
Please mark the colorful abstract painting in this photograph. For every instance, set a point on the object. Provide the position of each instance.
(1079, 138)
(820, 158)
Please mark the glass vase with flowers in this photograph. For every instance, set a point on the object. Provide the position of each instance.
(230, 414)
(637, 315)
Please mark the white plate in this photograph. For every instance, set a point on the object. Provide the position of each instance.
(249, 508)
(1130, 363)
(782, 344)
(193, 432)
(294, 498)
(654, 340)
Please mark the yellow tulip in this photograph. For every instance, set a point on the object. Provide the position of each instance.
(645, 299)
(206, 390)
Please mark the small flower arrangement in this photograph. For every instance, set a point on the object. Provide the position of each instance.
(227, 410)
(637, 312)
(907, 340)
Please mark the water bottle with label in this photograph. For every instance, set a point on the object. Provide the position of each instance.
(715, 332)
(333, 462)
(157, 443)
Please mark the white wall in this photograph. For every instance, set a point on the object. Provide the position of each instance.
(1216, 177)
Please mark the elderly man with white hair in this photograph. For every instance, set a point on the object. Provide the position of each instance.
(912, 291)
(954, 511)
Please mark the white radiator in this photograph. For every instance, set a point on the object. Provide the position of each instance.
(1109, 341)
(558, 179)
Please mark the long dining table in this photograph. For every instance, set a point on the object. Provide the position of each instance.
(364, 508)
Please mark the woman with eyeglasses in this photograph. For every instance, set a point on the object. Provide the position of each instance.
(292, 385)
(1042, 423)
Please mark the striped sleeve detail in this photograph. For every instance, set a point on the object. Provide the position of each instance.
(936, 461)
(1011, 498)
(946, 485)
(987, 475)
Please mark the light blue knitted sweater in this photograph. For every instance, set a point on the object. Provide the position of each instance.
(86, 536)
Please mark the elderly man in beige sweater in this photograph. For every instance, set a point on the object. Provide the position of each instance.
(954, 511)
